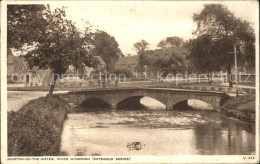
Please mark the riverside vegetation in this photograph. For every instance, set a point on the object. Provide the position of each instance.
(36, 129)
(242, 108)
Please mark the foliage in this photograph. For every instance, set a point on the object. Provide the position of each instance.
(242, 107)
(240, 101)
(57, 44)
(126, 72)
(24, 24)
(170, 64)
(140, 47)
(139, 79)
(107, 48)
(63, 45)
(36, 129)
(25, 141)
(222, 30)
(169, 60)
(171, 42)
(201, 54)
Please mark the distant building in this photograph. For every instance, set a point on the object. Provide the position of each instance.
(19, 72)
(88, 70)
(16, 66)
(129, 62)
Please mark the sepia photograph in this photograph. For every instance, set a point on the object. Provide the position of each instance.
(130, 81)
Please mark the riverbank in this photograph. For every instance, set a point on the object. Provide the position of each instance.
(35, 130)
(242, 108)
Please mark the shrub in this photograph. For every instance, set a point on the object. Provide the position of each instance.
(139, 79)
(245, 102)
(242, 108)
(125, 71)
(36, 129)
(31, 136)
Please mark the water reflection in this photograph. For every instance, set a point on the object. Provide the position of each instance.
(183, 132)
(228, 137)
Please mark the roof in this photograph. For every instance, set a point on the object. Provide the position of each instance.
(11, 59)
(127, 60)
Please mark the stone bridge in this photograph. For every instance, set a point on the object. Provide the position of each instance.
(130, 96)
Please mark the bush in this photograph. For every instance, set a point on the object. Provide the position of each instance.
(245, 102)
(36, 129)
(31, 136)
(126, 72)
(139, 79)
(242, 108)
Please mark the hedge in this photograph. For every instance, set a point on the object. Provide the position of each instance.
(36, 129)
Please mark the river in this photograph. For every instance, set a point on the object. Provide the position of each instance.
(160, 132)
(157, 132)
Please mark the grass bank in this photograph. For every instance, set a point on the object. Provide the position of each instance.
(36, 129)
(242, 108)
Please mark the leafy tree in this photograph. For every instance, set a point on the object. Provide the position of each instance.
(223, 30)
(202, 56)
(25, 23)
(61, 45)
(140, 47)
(170, 64)
(162, 44)
(107, 48)
(171, 42)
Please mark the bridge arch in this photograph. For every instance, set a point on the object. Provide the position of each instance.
(210, 100)
(134, 102)
(192, 104)
(94, 102)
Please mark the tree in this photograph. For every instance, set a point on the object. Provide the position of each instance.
(162, 44)
(107, 48)
(25, 23)
(201, 53)
(169, 64)
(140, 47)
(61, 45)
(224, 30)
(171, 42)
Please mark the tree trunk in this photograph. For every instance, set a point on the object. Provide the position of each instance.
(229, 76)
(55, 77)
(209, 79)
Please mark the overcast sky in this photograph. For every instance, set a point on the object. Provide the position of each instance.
(152, 21)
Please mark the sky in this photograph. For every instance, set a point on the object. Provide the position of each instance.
(130, 22)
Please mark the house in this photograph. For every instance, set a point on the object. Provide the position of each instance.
(101, 66)
(129, 62)
(19, 72)
(16, 67)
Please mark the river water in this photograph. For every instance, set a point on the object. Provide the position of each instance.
(157, 132)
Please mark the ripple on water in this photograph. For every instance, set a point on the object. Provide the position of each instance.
(163, 132)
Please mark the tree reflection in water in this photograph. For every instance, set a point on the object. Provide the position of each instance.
(228, 137)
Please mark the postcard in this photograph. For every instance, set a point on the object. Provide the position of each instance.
(129, 82)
